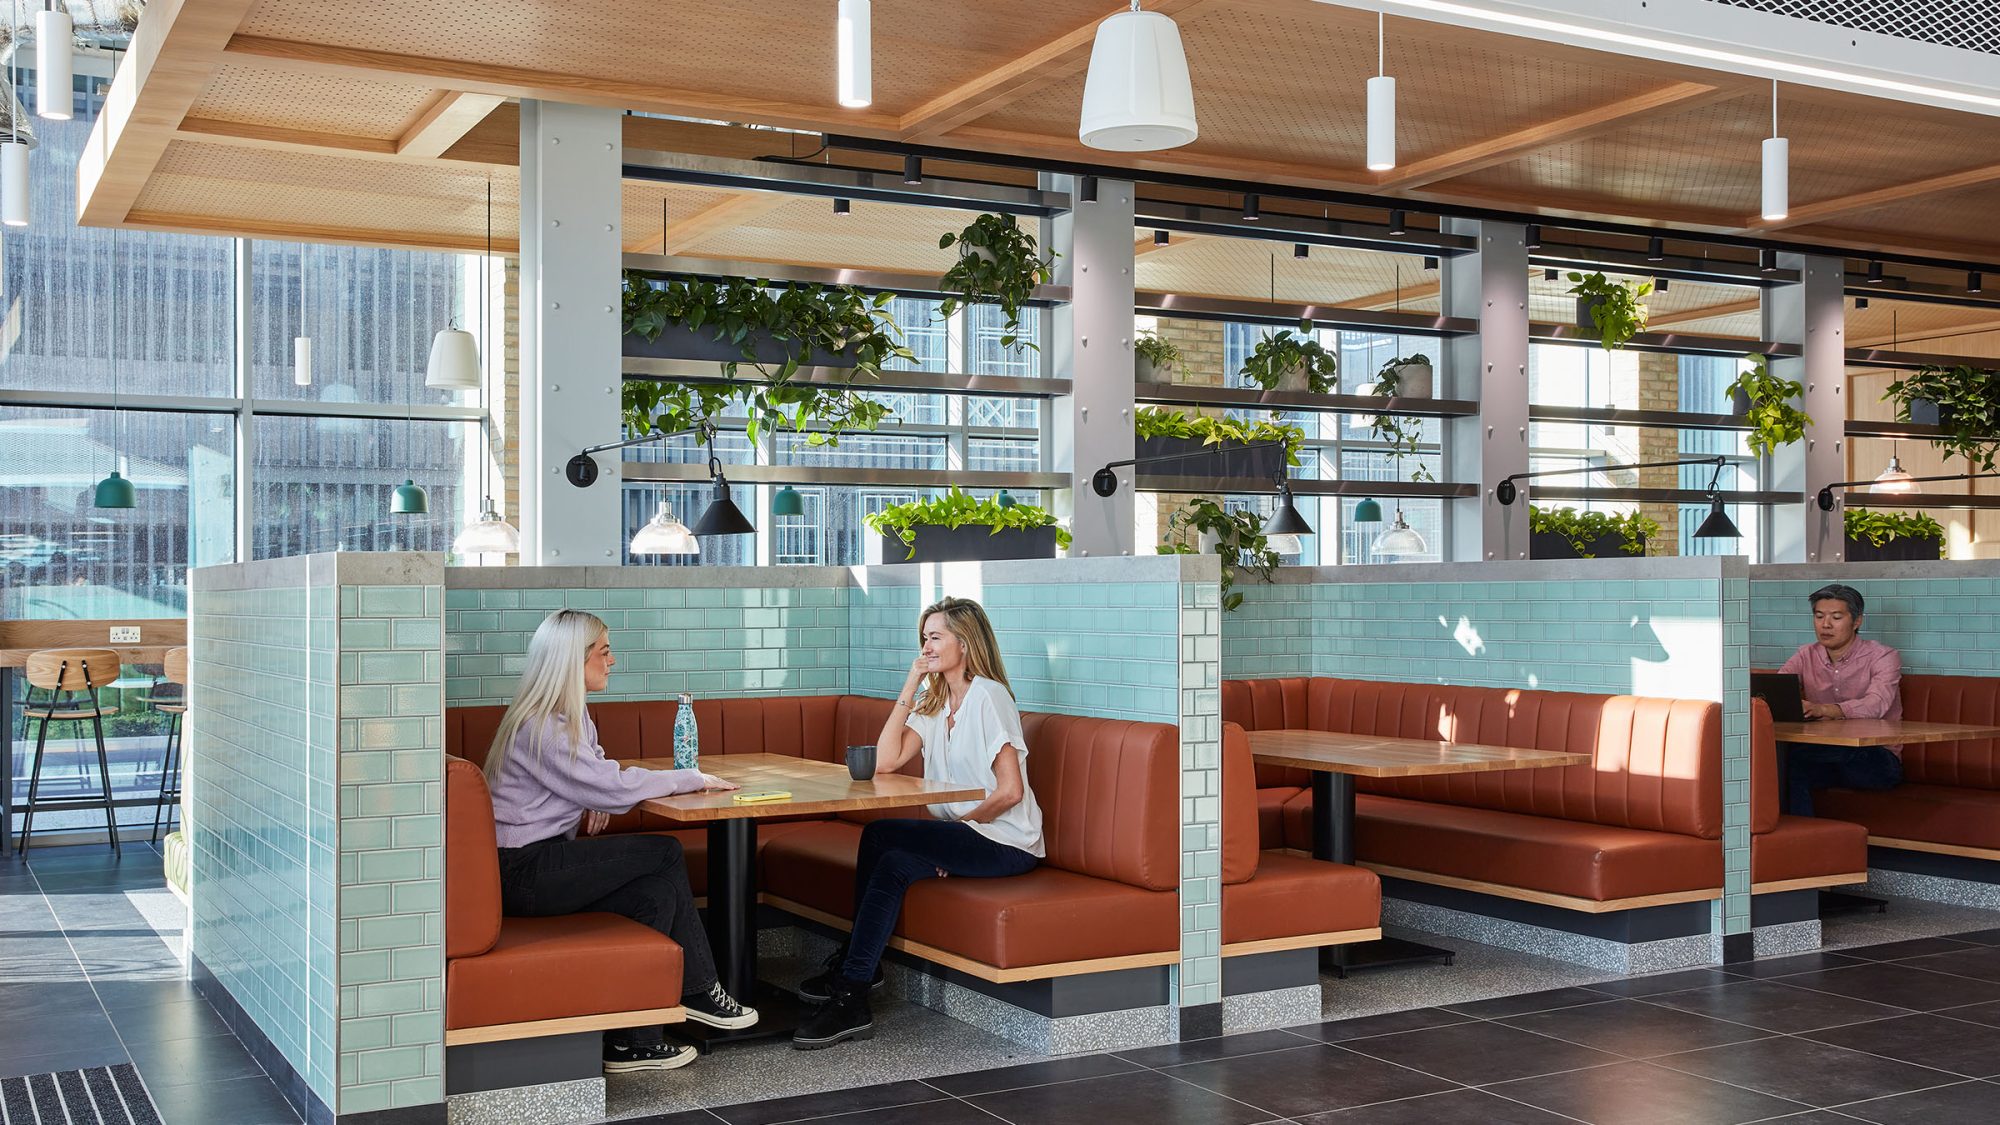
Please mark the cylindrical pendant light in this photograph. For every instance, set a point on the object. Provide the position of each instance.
(853, 33)
(302, 361)
(14, 183)
(1136, 94)
(54, 70)
(1777, 168)
(1381, 109)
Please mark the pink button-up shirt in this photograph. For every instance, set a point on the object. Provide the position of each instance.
(1867, 683)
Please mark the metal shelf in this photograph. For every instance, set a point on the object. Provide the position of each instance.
(1858, 499)
(697, 473)
(1542, 332)
(872, 281)
(939, 382)
(1910, 361)
(1678, 267)
(1910, 430)
(804, 179)
(1661, 495)
(1616, 416)
(1250, 486)
(1176, 394)
(1283, 227)
(1251, 311)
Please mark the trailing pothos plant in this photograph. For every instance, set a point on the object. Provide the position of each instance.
(1239, 540)
(997, 262)
(1157, 350)
(1285, 350)
(802, 318)
(1582, 529)
(1403, 434)
(1617, 308)
(1774, 421)
(1881, 527)
(959, 509)
(1158, 421)
(1968, 402)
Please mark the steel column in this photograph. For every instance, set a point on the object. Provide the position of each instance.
(1492, 368)
(1812, 314)
(1091, 339)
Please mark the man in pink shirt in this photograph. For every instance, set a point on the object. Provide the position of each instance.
(1843, 676)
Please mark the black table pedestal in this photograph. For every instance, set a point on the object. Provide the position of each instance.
(731, 921)
(1333, 839)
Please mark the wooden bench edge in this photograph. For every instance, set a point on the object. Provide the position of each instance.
(567, 1025)
(1935, 849)
(1545, 898)
(1301, 941)
(980, 969)
(1778, 886)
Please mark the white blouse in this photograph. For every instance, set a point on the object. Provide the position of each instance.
(962, 750)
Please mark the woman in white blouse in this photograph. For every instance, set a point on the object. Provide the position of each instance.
(967, 729)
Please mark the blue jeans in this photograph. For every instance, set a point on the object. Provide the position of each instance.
(896, 853)
(1836, 767)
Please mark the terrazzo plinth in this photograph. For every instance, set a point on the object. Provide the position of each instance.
(1595, 953)
(1278, 1007)
(1933, 888)
(1790, 937)
(554, 1103)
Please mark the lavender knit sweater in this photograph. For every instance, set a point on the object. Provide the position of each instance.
(544, 788)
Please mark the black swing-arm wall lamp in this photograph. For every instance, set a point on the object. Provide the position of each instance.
(1717, 526)
(722, 516)
(1285, 521)
(1825, 497)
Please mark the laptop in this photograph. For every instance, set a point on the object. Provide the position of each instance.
(1780, 692)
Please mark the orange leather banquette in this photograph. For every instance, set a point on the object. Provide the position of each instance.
(614, 972)
(1950, 797)
(1794, 852)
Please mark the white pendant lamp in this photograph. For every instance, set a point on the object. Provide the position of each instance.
(1777, 168)
(302, 345)
(489, 535)
(1894, 480)
(1136, 95)
(664, 535)
(54, 65)
(854, 35)
(1381, 110)
(454, 364)
(14, 182)
(1400, 541)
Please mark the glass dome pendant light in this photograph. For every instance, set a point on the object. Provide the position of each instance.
(664, 535)
(489, 535)
(1894, 480)
(1400, 541)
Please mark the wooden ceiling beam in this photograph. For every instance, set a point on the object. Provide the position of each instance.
(247, 134)
(1561, 130)
(1840, 206)
(1274, 172)
(233, 227)
(1972, 328)
(444, 122)
(1688, 316)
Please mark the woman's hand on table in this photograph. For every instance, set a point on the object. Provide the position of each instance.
(710, 781)
(595, 822)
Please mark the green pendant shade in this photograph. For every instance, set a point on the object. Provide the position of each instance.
(788, 502)
(1368, 511)
(115, 491)
(1005, 499)
(409, 500)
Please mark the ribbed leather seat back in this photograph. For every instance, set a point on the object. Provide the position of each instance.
(1974, 764)
(472, 866)
(1109, 791)
(1278, 704)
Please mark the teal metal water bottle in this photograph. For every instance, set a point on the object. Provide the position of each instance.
(687, 740)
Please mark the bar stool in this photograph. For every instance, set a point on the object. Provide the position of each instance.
(173, 705)
(72, 677)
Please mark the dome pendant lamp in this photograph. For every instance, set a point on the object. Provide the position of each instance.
(1136, 94)
(1777, 167)
(1401, 541)
(1894, 480)
(454, 363)
(55, 79)
(854, 35)
(1381, 109)
(664, 535)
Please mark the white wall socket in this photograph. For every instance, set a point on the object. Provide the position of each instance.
(124, 634)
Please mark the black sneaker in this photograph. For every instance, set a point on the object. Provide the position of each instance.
(844, 1016)
(818, 989)
(618, 1059)
(717, 1008)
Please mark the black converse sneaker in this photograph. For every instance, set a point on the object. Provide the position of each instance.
(618, 1058)
(818, 989)
(717, 1008)
(844, 1016)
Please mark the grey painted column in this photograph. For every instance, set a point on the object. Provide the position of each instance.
(1091, 338)
(571, 160)
(1492, 367)
(1812, 314)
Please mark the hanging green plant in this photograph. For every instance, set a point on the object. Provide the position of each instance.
(1403, 435)
(1158, 351)
(1617, 308)
(1583, 529)
(1878, 528)
(997, 262)
(1293, 361)
(1158, 421)
(744, 312)
(1774, 421)
(1967, 401)
(960, 509)
(1239, 540)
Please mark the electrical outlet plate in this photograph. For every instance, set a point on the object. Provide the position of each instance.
(124, 634)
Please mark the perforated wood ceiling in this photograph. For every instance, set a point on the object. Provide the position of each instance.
(1237, 267)
(319, 103)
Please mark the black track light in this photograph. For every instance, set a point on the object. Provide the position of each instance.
(1659, 285)
(1656, 249)
(1974, 283)
(1550, 274)
(913, 169)
(1767, 261)
(1301, 250)
(1396, 226)
(1250, 208)
(842, 207)
(1086, 191)
(1533, 241)
(1159, 238)
(1430, 262)
(1860, 302)
(1875, 272)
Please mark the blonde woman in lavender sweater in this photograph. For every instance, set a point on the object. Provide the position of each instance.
(549, 778)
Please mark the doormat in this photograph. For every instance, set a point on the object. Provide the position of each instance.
(98, 1095)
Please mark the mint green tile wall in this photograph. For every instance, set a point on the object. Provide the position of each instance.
(1942, 626)
(1199, 977)
(262, 816)
(1734, 906)
(391, 920)
(1083, 648)
(744, 641)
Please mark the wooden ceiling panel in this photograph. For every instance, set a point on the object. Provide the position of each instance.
(884, 236)
(1916, 326)
(316, 103)
(1957, 223)
(1248, 268)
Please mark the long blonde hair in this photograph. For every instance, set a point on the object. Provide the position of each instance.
(965, 620)
(551, 685)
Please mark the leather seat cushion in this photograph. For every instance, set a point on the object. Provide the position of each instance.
(1565, 857)
(1271, 804)
(1937, 814)
(1804, 847)
(1292, 896)
(552, 968)
(1048, 916)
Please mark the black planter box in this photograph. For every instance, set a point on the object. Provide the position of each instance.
(1924, 412)
(1739, 402)
(677, 342)
(1188, 457)
(1895, 550)
(972, 543)
(1549, 545)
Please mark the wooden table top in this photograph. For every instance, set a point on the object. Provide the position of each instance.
(1370, 755)
(127, 654)
(816, 787)
(1879, 732)
(22, 639)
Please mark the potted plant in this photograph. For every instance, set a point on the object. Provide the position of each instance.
(1211, 447)
(1963, 401)
(1892, 537)
(1410, 377)
(1403, 434)
(1156, 358)
(957, 527)
(1293, 361)
(776, 331)
(1238, 537)
(1774, 421)
(1615, 310)
(1565, 533)
(997, 262)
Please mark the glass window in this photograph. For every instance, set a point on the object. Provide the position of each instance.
(325, 484)
(371, 315)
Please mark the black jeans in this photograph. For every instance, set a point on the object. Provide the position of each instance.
(1836, 767)
(640, 877)
(896, 853)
